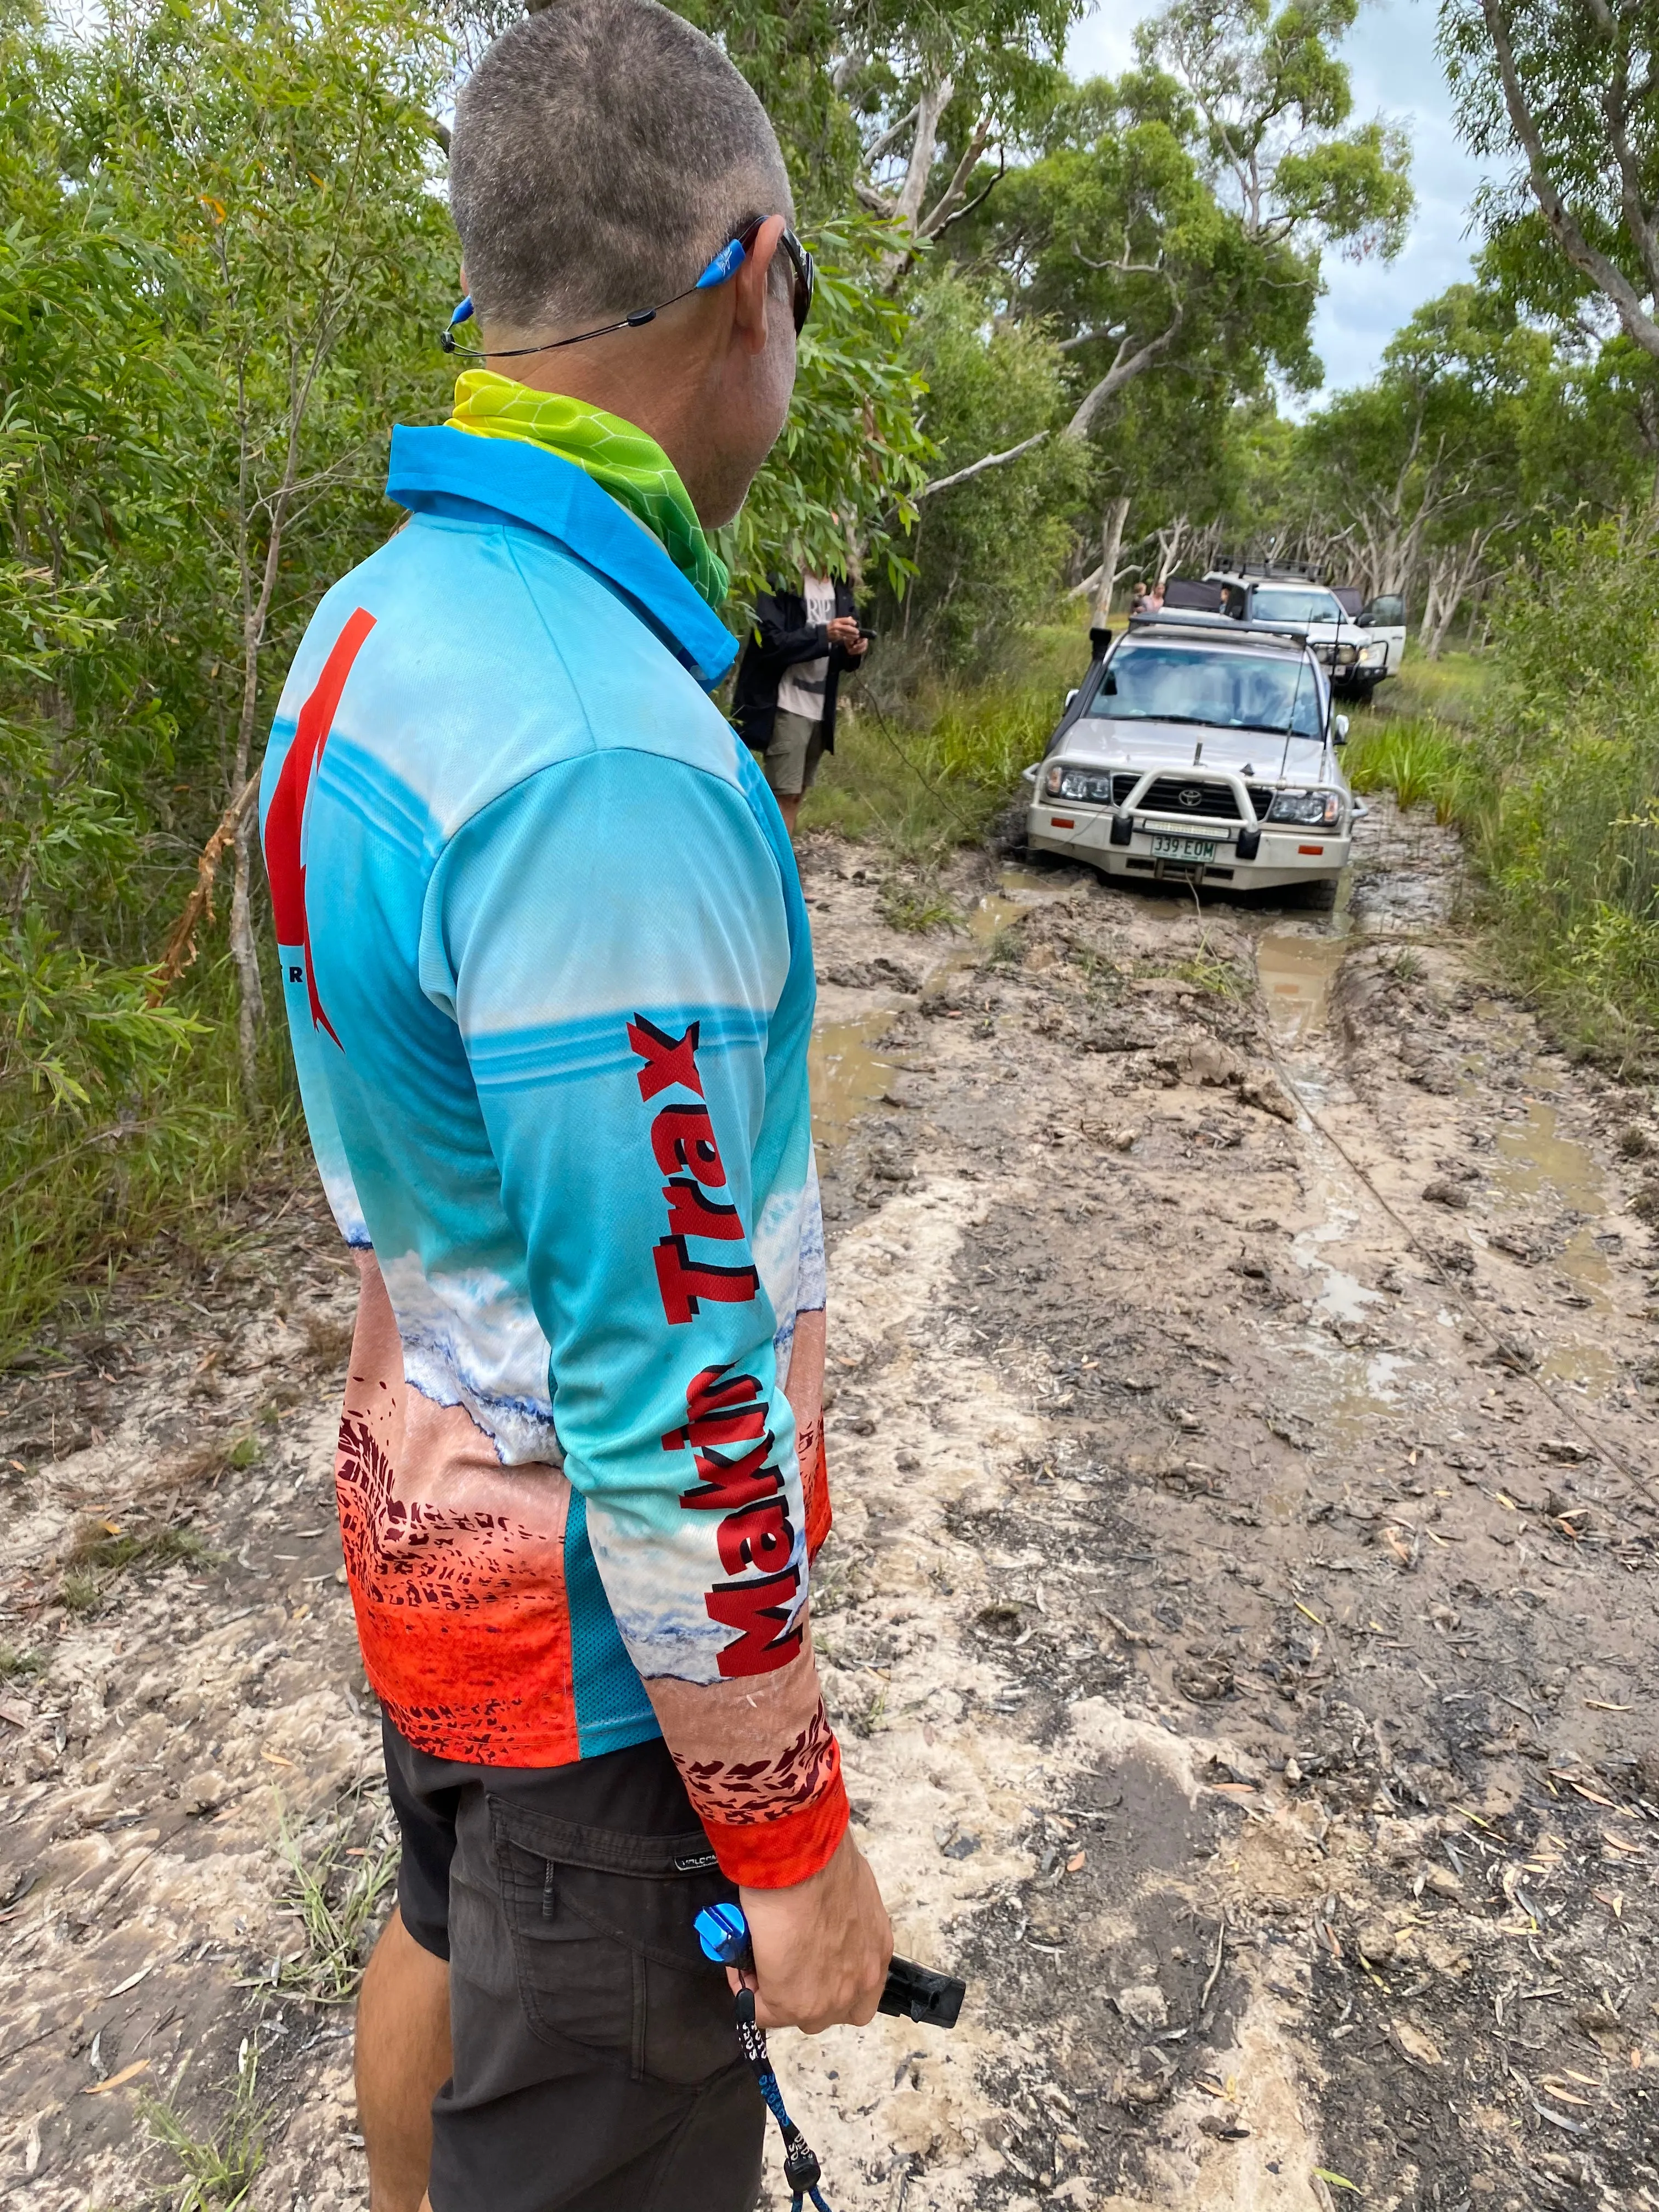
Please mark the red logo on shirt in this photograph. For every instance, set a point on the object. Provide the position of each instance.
(285, 817)
(683, 1145)
(728, 1411)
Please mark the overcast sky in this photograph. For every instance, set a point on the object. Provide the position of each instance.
(1396, 74)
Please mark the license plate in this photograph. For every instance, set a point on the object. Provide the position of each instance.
(1184, 849)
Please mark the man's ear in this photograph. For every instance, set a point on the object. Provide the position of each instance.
(750, 288)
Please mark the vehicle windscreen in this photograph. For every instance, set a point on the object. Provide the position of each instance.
(1210, 685)
(1295, 604)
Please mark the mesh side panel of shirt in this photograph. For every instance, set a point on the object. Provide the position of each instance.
(612, 1709)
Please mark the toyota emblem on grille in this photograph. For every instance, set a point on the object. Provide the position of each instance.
(1191, 796)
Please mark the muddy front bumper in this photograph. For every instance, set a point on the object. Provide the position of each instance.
(1248, 856)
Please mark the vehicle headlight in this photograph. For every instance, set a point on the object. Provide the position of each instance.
(1345, 656)
(1075, 783)
(1374, 656)
(1314, 810)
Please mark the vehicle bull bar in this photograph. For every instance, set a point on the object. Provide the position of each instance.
(1243, 833)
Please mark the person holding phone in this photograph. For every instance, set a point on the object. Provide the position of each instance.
(805, 637)
(548, 972)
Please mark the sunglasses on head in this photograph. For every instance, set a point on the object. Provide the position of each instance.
(725, 263)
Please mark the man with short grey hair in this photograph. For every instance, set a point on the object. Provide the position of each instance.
(549, 979)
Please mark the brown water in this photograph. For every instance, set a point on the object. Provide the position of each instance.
(1536, 1162)
(1536, 1158)
(1295, 974)
(846, 1074)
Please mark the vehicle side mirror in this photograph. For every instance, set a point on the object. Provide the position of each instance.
(1340, 729)
(1070, 696)
(1363, 619)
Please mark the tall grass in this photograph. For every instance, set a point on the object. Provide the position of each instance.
(85, 1181)
(1552, 779)
(922, 767)
(1412, 756)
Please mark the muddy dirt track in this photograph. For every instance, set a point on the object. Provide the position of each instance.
(1239, 1620)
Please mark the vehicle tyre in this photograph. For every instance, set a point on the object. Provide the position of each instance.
(1319, 894)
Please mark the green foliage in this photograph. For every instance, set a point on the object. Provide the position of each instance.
(935, 775)
(839, 484)
(336, 1892)
(220, 2166)
(218, 235)
(1567, 834)
(916, 905)
(100, 1553)
(990, 384)
(1551, 782)
(1273, 97)
(1415, 759)
(1567, 105)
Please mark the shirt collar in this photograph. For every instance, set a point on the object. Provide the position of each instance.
(525, 483)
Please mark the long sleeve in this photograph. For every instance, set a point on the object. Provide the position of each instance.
(781, 642)
(613, 937)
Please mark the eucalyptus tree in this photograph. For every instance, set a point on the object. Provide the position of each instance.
(1568, 90)
(1426, 472)
(1174, 222)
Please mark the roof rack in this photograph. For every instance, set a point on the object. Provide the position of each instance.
(1182, 622)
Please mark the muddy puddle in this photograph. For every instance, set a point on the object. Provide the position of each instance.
(847, 1072)
(1296, 975)
(1537, 1162)
(1019, 891)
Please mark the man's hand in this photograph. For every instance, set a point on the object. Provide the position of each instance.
(844, 632)
(821, 1948)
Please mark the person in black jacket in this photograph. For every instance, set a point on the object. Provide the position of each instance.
(805, 637)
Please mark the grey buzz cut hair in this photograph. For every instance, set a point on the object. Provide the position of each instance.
(603, 152)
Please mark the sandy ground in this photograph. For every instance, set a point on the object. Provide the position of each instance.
(1239, 1618)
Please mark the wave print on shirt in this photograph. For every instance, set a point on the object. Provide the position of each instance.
(788, 1248)
(338, 1189)
(657, 1591)
(471, 1340)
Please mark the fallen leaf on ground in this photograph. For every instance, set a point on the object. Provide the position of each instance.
(117, 2080)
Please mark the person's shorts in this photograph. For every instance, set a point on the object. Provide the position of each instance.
(596, 2064)
(793, 753)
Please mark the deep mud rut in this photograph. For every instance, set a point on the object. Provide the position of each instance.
(1239, 1620)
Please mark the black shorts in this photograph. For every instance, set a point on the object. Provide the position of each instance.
(596, 2065)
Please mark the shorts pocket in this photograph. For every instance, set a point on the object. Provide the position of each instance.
(604, 1948)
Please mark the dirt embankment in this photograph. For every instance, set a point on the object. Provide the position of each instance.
(1239, 1620)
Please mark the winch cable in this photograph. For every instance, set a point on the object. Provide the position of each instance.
(1443, 1277)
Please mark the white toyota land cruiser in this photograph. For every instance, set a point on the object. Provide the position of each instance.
(1201, 748)
(1358, 646)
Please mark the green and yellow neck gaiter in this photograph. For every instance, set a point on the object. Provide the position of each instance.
(632, 467)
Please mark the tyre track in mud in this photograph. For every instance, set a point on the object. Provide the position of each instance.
(1240, 1634)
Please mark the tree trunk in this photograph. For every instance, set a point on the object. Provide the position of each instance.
(1111, 541)
(1449, 607)
(245, 952)
(1425, 629)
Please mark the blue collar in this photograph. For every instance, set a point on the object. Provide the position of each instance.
(525, 483)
